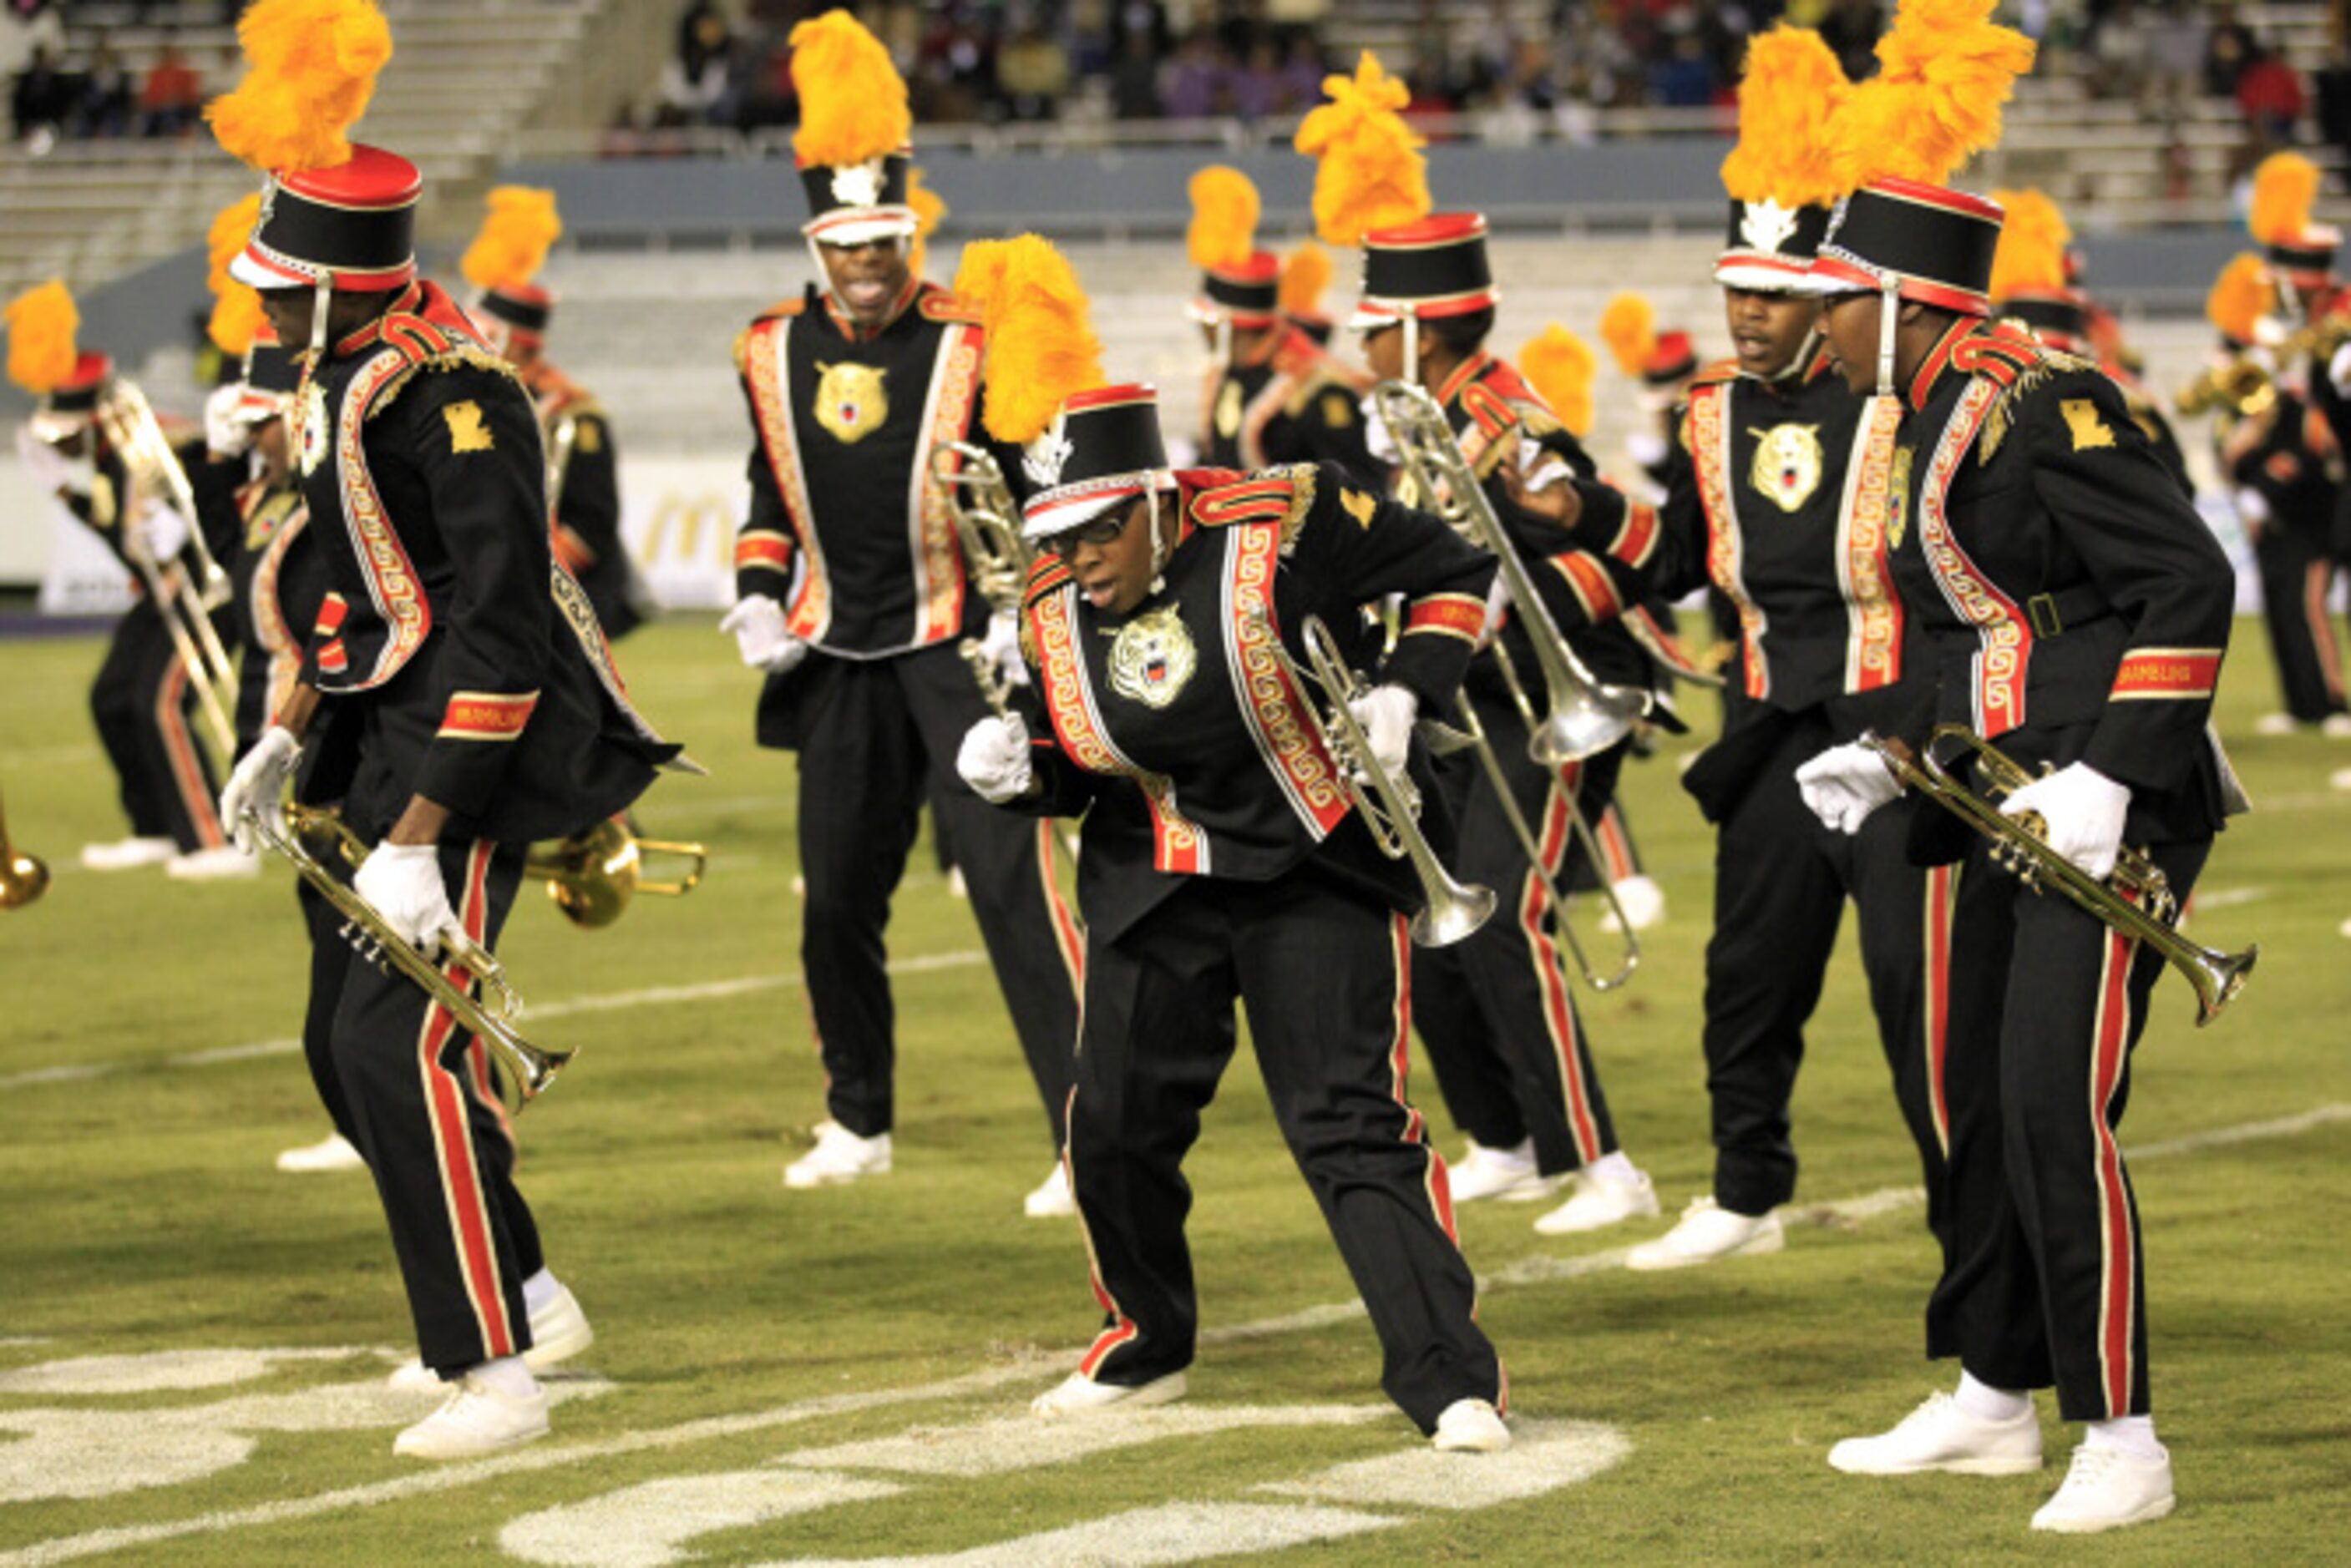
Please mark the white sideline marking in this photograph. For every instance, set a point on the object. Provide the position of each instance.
(643, 1526)
(2229, 898)
(11, 1341)
(1025, 1442)
(68, 1548)
(1175, 1532)
(159, 1370)
(607, 1001)
(1543, 1456)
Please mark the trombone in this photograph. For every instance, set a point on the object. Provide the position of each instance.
(2242, 387)
(1389, 806)
(1584, 717)
(980, 502)
(1474, 728)
(524, 1070)
(23, 877)
(147, 457)
(591, 875)
(2136, 901)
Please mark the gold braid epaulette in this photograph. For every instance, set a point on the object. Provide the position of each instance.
(465, 357)
(2022, 377)
(1284, 495)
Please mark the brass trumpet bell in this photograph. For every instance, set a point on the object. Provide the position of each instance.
(23, 877)
(592, 876)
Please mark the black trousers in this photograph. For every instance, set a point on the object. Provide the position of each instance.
(1781, 882)
(330, 955)
(143, 705)
(877, 736)
(2044, 1281)
(2296, 573)
(417, 1090)
(1497, 1011)
(1325, 976)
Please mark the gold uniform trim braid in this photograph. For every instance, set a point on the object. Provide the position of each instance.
(460, 358)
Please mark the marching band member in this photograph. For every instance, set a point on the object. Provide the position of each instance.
(514, 311)
(143, 699)
(1512, 1057)
(2077, 610)
(1274, 394)
(1222, 857)
(455, 687)
(851, 389)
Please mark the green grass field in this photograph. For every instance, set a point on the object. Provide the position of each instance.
(738, 1323)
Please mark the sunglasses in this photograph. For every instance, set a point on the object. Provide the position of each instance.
(1100, 531)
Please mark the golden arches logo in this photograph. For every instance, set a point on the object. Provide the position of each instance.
(689, 528)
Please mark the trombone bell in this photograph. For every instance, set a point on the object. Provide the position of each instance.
(591, 875)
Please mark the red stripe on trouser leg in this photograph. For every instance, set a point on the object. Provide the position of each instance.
(1067, 936)
(485, 1090)
(1551, 977)
(1616, 845)
(179, 748)
(1937, 1000)
(1122, 1329)
(2316, 578)
(2118, 1276)
(1438, 1183)
(445, 1103)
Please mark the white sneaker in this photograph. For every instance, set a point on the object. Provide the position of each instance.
(226, 864)
(1644, 902)
(1600, 1202)
(127, 853)
(2107, 1489)
(1078, 1394)
(2335, 727)
(1484, 1172)
(333, 1152)
(957, 887)
(1470, 1427)
(1707, 1231)
(559, 1331)
(1939, 1436)
(475, 1419)
(2340, 778)
(1052, 1201)
(840, 1156)
(2274, 724)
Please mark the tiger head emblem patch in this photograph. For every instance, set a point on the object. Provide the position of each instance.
(851, 403)
(1152, 657)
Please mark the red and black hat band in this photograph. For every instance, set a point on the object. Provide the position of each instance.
(1939, 238)
(855, 187)
(337, 238)
(1766, 228)
(521, 315)
(1452, 270)
(1099, 441)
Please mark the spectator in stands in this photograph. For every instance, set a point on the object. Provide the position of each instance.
(105, 103)
(1196, 82)
(1302, 70)
(2227, 50)
(2270, 92)
(42, 97)
(25, 24)
(1032, 75)
(1134, 79)
(173, 97)
(2176, 46)
(1256, 82)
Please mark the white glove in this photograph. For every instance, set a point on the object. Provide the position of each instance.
(757, 623)
(1376, 439)
(2084, 811)
(1540, 468)
(1002, 645)
(1845, 784)
(257, 787)
(163, 532)
(1646, 448)
(994, 760)
(1387, 714)
(2338, 369)
(49, 469)
(226, 430)
(403, 882)
(2252, 507)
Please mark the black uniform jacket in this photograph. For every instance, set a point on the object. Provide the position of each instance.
(2076, 606)
(2290, 465)
(1291, 402)
(280, 580)
(461, 663)
(587, 508)
(846, 526)
(1174, 728)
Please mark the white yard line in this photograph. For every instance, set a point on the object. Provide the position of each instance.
(606, 1002)
(1031, 1368)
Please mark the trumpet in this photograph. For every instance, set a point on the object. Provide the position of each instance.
(980, 502)
(2136, 901)
(524, 1070)
(1474, 728)
(1583, 717)
(147, 457)
(591, 875)
(1390, 806)
(560, 440)
(23, 877)
(2240, 386)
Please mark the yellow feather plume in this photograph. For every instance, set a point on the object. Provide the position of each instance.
(2284, 187)
(1041, 346)
(1934, 103)
(230, 228)
(311, 67)
(2031, 254)
(929, 209)
(517, 231)
(1561, 365)
(1629, 326)
(1305, 274)
(853, 100)
(1787, 104)
(41, 325)
(2241, 296)
(236, 320)
(1371, 173)
(1224, 217)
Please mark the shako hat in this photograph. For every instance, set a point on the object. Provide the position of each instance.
(1240, 286)
(2284, 187)
(44, 360)
(854, 145)
(519, 225)
(1780, 176)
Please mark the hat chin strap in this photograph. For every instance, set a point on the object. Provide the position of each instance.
(322, 299)
(1794, 368)
(1889, 315)
(824, 273)
(1411, 346)
(1158, 541)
